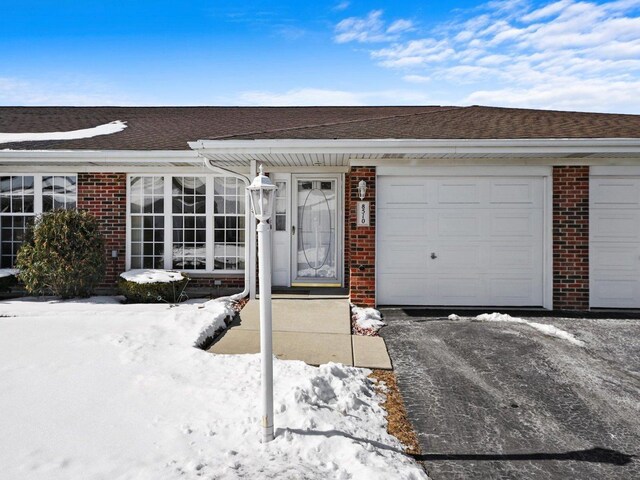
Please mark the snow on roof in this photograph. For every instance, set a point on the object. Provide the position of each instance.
(105, 129)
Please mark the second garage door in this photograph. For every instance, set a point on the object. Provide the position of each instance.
(461, 241)
(615, 241)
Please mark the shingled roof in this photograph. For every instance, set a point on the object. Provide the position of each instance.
(170, 128)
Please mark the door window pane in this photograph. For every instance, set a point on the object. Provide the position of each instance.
(316, 229)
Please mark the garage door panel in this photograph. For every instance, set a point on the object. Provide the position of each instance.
(612, 260)
(615, 192)
(458, 290)
(509, 258)
(466, 258)
(486, 235)
(460, 192)
(521, 192)
(402, 289)
(401, 193)
(515, 223)
(408, 258)
(403, 225)
(458, 224)
(614, 226)
(616, 293)
(514, 291)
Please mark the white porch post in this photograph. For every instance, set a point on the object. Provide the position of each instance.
(251, 242)
(266, 344)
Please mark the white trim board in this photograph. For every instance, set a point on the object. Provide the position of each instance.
(491, 171)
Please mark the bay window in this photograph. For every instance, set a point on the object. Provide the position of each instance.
(186, 222)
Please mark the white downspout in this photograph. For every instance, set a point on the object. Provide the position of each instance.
(248, 247)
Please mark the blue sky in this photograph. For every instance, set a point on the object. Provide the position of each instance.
(568, 55)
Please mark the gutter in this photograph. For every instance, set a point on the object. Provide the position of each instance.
(247, 223)
(423, 146)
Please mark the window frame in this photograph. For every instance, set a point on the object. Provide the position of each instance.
(168, 223)
(38, 190)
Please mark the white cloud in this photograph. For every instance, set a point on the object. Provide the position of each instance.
(400, 26)
(416, 79)
(371, 28)
(341, 6)
(595, 95)
(563, 54)
(325, 97)
(17, 91)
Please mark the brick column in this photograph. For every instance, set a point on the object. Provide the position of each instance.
(105, 196)
(361, 241)
(571, 238)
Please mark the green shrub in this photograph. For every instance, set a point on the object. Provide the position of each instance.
(63, 255)
(154, 292)
(7, 282)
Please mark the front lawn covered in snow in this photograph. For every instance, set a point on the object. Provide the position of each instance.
(94, 389)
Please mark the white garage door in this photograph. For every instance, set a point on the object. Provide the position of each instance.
(615, 242)
(460, 241)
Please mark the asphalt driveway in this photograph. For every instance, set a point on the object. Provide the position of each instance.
(495, 400)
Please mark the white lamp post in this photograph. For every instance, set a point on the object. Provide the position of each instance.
(262, 194)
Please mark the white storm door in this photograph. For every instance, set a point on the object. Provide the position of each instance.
(615, 242)
(281, 224)
(315, 231)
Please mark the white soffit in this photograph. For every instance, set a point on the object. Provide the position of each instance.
(309, 153)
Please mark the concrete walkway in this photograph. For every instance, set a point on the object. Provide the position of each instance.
(314, 330)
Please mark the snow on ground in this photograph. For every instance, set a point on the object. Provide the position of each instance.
(367, 319)
(151, 276)
(105, 129)
(549, 330)
(94, 389)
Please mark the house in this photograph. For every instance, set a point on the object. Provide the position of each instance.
(452, 206)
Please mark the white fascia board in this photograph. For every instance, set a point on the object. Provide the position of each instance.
(99, 156)
(422, 146)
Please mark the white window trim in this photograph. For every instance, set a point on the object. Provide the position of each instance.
(168, 224)
(37, 190)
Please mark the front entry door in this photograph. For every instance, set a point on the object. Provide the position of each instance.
(315, 232)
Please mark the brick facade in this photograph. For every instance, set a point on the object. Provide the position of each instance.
(360, 246)
(571, 238)
(105, 196)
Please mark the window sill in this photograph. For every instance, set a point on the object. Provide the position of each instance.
(216, 274)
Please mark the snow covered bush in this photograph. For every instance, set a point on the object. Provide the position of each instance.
(365, 321)
(63, 255)
(153, 286)
(7, 279)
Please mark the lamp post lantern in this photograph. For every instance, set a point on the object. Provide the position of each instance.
(262, 198)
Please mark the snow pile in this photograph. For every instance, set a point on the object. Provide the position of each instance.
(96, 389)
(549, 330)
(105, 129)
(7, 272)
(454, 317)
(151, 276)
(366, 321)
